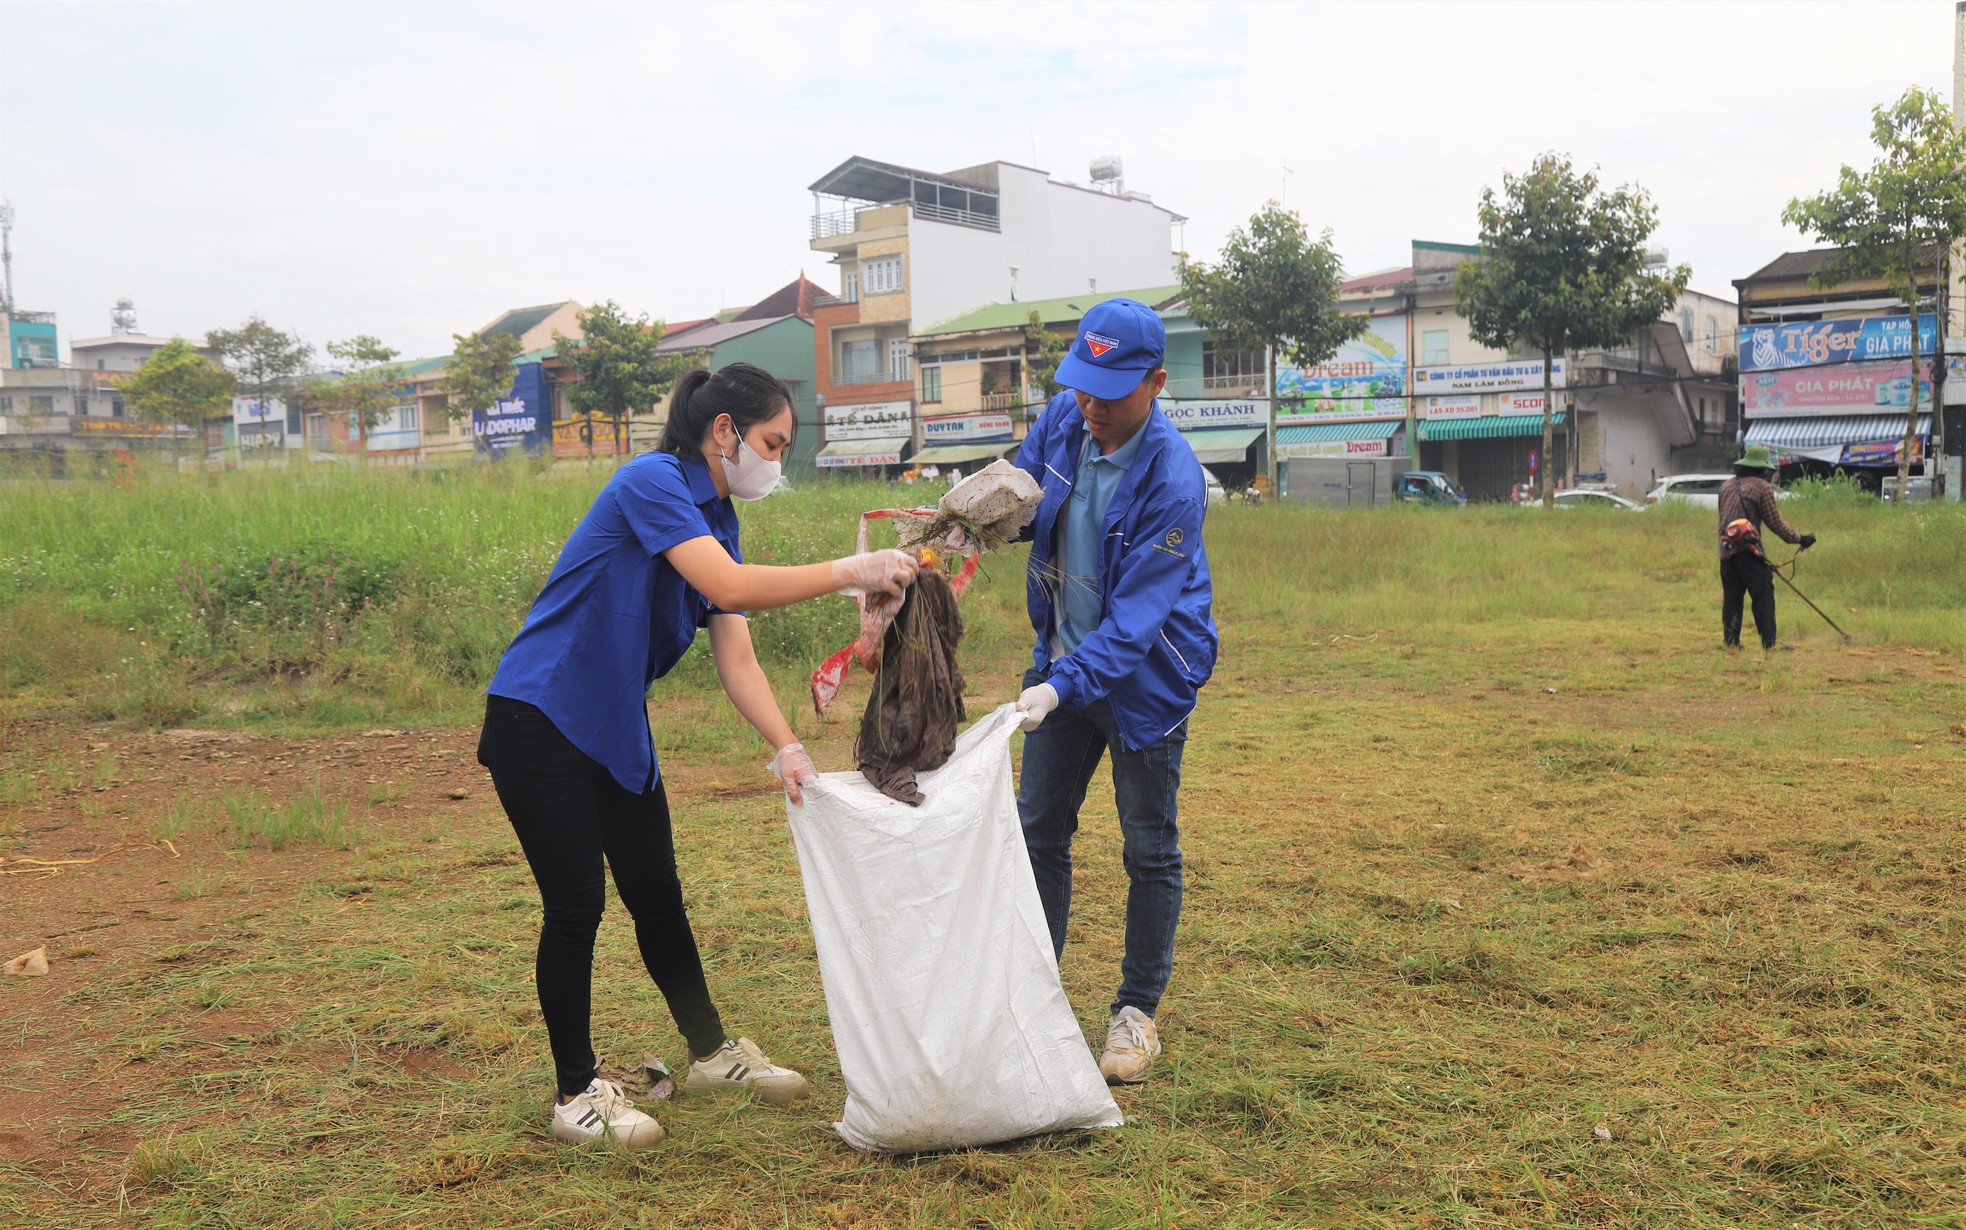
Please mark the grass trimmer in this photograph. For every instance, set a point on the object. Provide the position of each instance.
(1790, 565)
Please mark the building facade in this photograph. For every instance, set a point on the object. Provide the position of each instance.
(1826, 375)
(917, 248)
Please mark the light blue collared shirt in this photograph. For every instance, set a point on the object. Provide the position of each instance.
(1080, 527)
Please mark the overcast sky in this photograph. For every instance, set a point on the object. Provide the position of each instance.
(411, 169)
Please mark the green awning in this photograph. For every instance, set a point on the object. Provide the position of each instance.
(1487, 427)
(1222, 445)
(956, 454)
(1325, 433)
(883, 451)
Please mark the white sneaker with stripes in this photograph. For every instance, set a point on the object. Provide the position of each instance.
(603, 1112)
(739, 1064)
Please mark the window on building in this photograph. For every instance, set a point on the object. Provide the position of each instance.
(1218, 363)
(1433, 346)
(1686, 325)
(1713, 334)
(81, 404)
(98, 364)
(883, 274)
(850, 286)
(932, 384)
(116, 407)
(6, 405)
(897, 359)
(859, 361)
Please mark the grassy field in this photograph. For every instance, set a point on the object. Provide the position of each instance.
(1512, 899)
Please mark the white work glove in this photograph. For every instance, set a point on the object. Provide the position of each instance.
(1034, 704)
(794, 768)
(875, 572)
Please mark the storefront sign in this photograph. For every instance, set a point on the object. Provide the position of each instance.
(1844, 388)
(858, 459)
(246, 410)
(1488, 377)
(1454, 407)
(1880, 452)
(1229, 412)
(1335, 448)
(963, 427)
(510, 425)
(1366, 376)
(869, 422)
(590, 435)
(122, 427)
(1519, 403)
(1814, 343)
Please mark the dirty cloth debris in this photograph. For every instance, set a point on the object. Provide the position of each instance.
(32, 964)
(917, 701)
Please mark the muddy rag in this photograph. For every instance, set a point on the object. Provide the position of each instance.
(917, 701)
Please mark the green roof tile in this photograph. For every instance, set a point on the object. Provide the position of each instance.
(1051, 311)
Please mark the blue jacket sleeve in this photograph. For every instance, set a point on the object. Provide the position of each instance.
(1154, 570)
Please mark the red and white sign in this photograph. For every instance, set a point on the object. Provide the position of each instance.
(1518, 403)
(1454, 407)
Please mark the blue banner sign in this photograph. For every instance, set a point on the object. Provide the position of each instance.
(522, 422)
(1815, 343)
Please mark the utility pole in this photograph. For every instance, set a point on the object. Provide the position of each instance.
(1952, 265)
(7, 252)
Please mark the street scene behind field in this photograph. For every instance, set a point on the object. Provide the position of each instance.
(1140, 694)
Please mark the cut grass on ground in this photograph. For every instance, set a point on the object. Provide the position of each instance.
(1503, 909)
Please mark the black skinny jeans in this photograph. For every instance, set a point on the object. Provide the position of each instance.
(569, 813)
(1747, 574)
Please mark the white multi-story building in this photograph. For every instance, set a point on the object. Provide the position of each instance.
(915, 248)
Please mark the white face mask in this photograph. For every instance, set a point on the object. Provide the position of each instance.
(750, 476)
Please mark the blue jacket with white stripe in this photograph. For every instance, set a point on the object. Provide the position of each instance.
(1155, 643)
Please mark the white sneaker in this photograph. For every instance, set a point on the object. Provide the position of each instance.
(1132, 1042)
(739, 1064)
(603, 1111)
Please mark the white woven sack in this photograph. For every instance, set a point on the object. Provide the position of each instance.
(951, 1025)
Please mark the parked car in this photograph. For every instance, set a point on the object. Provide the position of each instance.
(1425, 487)
(1216, 495)
(1588, 497)
(1700, 489)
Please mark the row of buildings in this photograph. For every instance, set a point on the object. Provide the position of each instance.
(921, 353)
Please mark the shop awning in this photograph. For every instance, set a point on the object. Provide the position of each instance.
(1222, 445)
(1325, 433)
(1801, 433)
(883, 451)
(956, 454)
(1488, 427)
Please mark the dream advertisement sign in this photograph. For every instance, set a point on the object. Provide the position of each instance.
(1815, 343)
(1366, 376)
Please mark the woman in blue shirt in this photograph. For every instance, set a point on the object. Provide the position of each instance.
(567, 738)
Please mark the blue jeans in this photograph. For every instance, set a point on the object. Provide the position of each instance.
(1059, 759)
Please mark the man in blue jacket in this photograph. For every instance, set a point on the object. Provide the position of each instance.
(1119, 597)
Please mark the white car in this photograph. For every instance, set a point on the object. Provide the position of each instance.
(1699, 489)
(1216, 495)
(1586, 497)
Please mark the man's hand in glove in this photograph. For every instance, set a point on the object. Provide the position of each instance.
(1034, 704)
(1805, 542)
(875, 572)
(794, 768)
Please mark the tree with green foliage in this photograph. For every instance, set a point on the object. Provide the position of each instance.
(367, 386)
(178, 385)
(1562, 268)
(1275, 288)
(1043, 350)
(1896, 222)
(479, 372)
(268, 362)
(616, 366)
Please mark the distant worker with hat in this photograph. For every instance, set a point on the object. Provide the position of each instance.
(1747, 506)
(1119, 594)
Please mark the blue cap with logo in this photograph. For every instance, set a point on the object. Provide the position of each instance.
(1119, 342)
